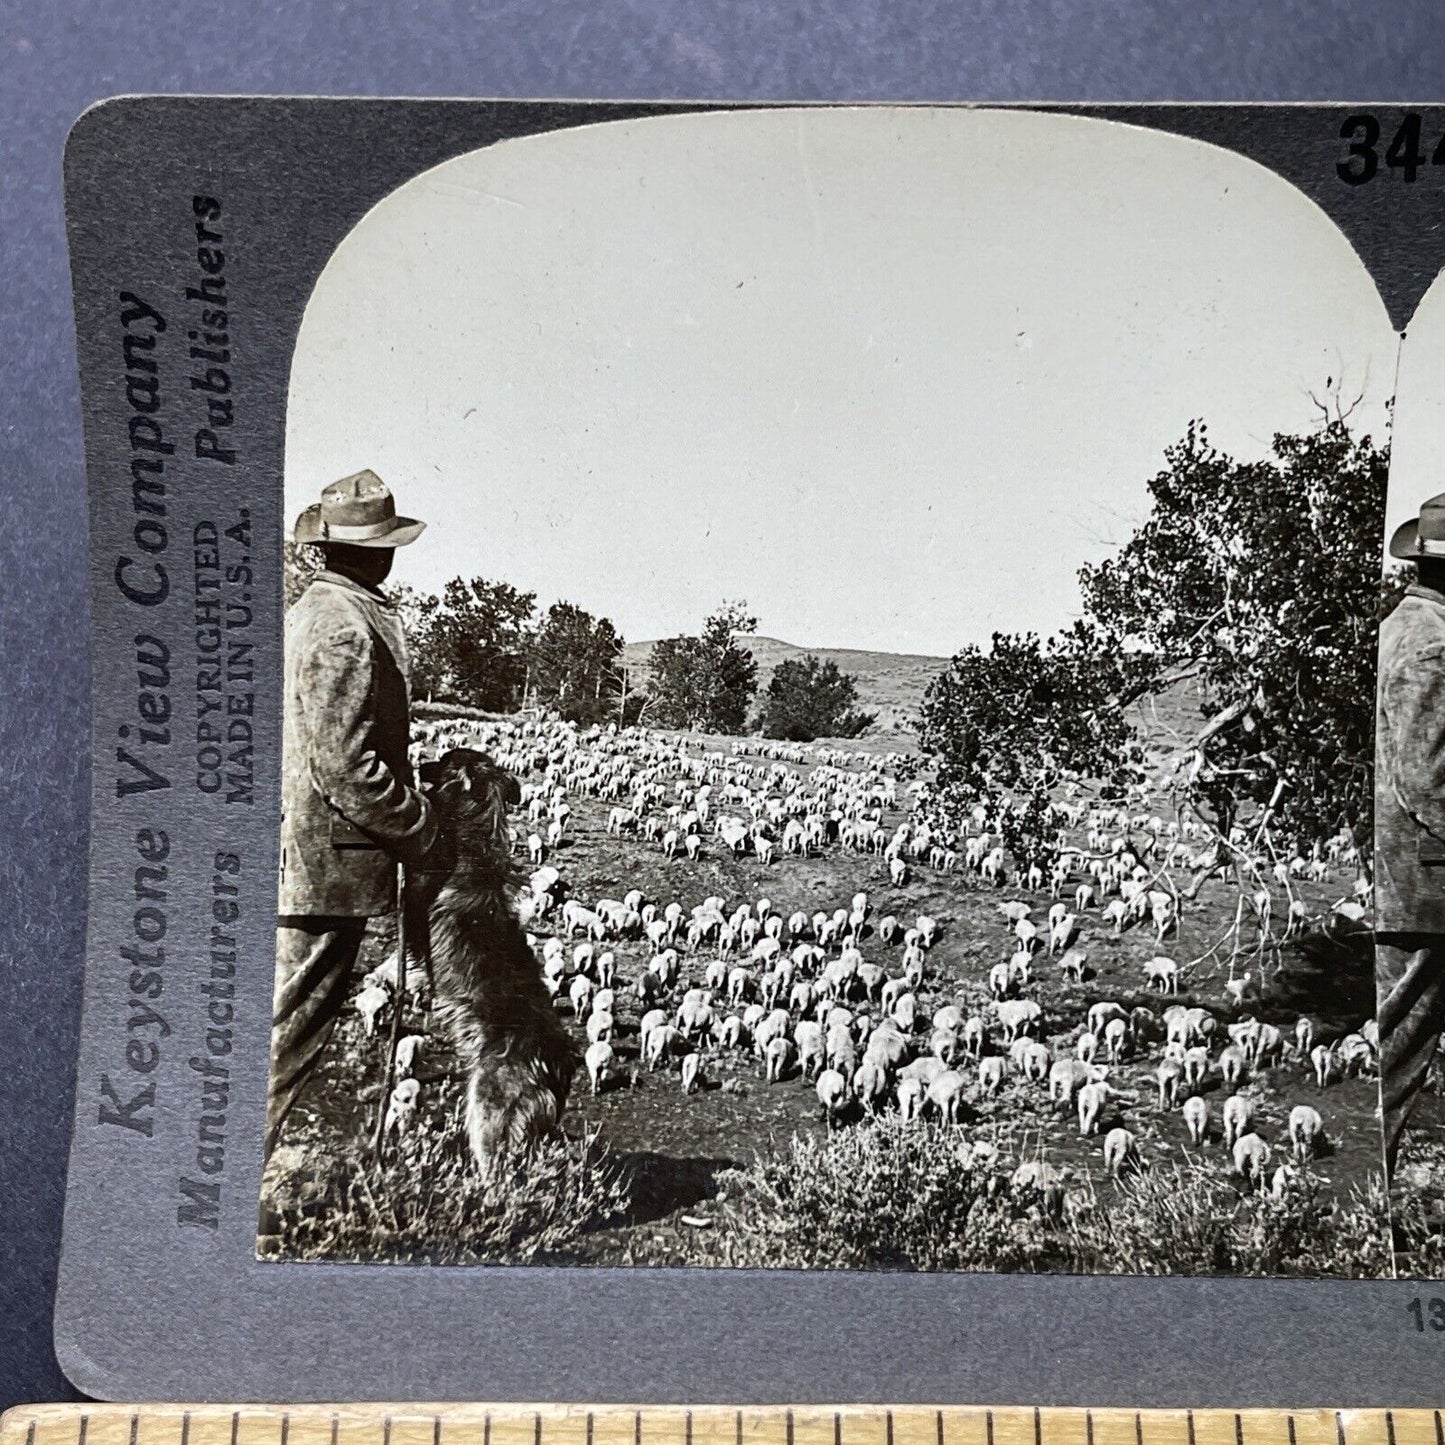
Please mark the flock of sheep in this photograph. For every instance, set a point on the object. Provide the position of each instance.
(847, 1000)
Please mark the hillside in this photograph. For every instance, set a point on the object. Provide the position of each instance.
(890, 684)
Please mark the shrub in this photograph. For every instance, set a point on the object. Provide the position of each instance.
(431, 1206)
(884, 1195)
(1189, 1219)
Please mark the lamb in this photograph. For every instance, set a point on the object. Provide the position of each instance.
(1090, 1102)
(990, 1074)
(1018, 1016)
(1238, 1116)
(945, 1095)
(833, 1094)
(1120, 1149)
(777, 1057)
(870, 1085)
(1163, 974)
(1306, 1132)
(1251, 1159)
(1196, 1119)
(598, 1060)
(910, 1098)
(808, 1039)
(401, 1108)
(370, 1003)
(407, 1050)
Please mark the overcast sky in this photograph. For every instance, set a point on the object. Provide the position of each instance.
(892, 377)
(1417, 460)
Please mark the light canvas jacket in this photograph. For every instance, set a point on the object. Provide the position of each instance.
(1410, 766)
(344, 754)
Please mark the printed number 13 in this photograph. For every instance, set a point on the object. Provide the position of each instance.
(1431, 1311)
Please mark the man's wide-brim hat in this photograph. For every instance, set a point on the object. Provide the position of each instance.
(359, 511)
(1422, 536)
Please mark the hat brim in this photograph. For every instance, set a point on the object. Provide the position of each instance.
(1405, 544)
(405, 532)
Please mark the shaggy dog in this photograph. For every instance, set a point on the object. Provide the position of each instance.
(486, 981)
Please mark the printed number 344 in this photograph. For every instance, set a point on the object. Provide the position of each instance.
(1361, 163)
(1428, 1313)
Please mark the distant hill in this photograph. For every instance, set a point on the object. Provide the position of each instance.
(890, 684)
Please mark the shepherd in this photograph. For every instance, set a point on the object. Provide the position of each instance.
(1410, 824)
(351, 810)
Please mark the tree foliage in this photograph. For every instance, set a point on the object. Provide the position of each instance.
(573, 664)
(1251, 586)
(471, 642)
(808, 698)
(705, 683)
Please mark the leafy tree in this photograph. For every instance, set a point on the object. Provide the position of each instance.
(572, 663)
(808, 698)
(417, 611)
(299, 564)
(1255, 586)
(475, 636)
(705, 683)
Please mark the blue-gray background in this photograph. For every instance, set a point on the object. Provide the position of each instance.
(56, 58)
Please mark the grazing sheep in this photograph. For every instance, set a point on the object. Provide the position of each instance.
(1090, 1102)
(1035, 1062)
(407, 1050)
(1116, 1039)
(870, 1085)
(1306, 1132)
(1251, 1159)
(1232, 1066)
(911, 1094)
(401, 1108)
(1120, 1149)
(598, 1059)
(1304, 1036)
(1195, 1067)
(1196, 1119)
(691, 1073)
(1066, 1078)
(1169, 1074)
(1238, 1117)
(1086, 1047)
(1073, 964)
(599, 1027)
(370, 1003)
(812, 1055)
(833, 1095)
(1323, 1059)
(1018, 1016)
(945, 1095)
(777, 1057)
(990, 1074)
(1100, 1014)
(660, 1044)
(1162, 974)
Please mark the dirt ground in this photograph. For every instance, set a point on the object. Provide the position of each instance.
(675, 1145)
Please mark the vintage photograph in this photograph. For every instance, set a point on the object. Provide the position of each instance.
(829, 712)
(1410, 805)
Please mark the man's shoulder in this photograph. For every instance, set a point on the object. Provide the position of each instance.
(330, 613)
(1414, 631)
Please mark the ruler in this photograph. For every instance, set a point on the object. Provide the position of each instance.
(703, 1425)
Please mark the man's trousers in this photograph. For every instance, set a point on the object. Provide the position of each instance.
(1410, 1005)
(314, 961)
